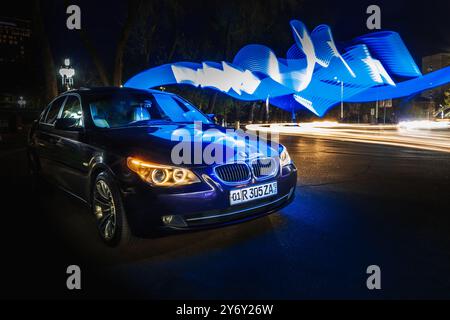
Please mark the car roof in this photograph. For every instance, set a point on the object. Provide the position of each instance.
(109, 90)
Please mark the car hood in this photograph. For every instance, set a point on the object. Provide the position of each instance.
(161, 144)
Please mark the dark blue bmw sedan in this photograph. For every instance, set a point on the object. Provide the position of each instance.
(145, 160)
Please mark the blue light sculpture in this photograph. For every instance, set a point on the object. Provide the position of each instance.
(315, 74)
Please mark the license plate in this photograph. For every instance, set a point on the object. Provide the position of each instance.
(253, 193)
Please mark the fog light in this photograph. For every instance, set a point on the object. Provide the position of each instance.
(174, 221)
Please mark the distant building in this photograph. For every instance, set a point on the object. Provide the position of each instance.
(428, 103)
(15, 35)
(433, 63)
(15, 61)
(7, 101)
(15, 113)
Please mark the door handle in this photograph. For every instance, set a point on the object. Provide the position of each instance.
(55, 140)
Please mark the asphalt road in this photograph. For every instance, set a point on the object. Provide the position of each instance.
(357, 205)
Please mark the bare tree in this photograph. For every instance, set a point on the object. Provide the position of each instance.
(117, 74)
(243, 22)
(92, 50)
(447, 97)
(102, 72)
(133, 10)
(51, 82)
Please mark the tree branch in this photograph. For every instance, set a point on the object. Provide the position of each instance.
(133, 9)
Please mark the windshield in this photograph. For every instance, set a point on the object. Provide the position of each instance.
(139, 109)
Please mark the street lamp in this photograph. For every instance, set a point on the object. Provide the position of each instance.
(67, 73)
(21, 102)
(442, 112)
(342, 96)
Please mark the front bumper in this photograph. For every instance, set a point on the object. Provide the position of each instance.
(205, 205)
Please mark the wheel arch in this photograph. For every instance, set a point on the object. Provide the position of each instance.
(96, 170)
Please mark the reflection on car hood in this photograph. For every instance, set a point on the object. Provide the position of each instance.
(156, 143)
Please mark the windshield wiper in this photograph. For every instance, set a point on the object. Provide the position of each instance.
(144, 123)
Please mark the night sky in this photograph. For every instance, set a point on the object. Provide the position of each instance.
(423, 25)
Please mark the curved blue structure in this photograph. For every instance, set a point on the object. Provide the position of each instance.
(315, 74)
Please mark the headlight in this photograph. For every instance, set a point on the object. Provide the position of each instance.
(160, 175)
(285, 158)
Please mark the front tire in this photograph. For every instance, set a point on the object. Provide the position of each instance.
(109, 212)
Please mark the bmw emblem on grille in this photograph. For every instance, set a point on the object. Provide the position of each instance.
(243, 155)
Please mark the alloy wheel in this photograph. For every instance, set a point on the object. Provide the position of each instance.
(105, 210)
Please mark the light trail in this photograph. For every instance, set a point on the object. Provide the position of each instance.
(423, 135)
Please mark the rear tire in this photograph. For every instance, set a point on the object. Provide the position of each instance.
(107, 207)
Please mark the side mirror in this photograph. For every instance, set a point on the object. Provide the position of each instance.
(211, 117)
(68, 124)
